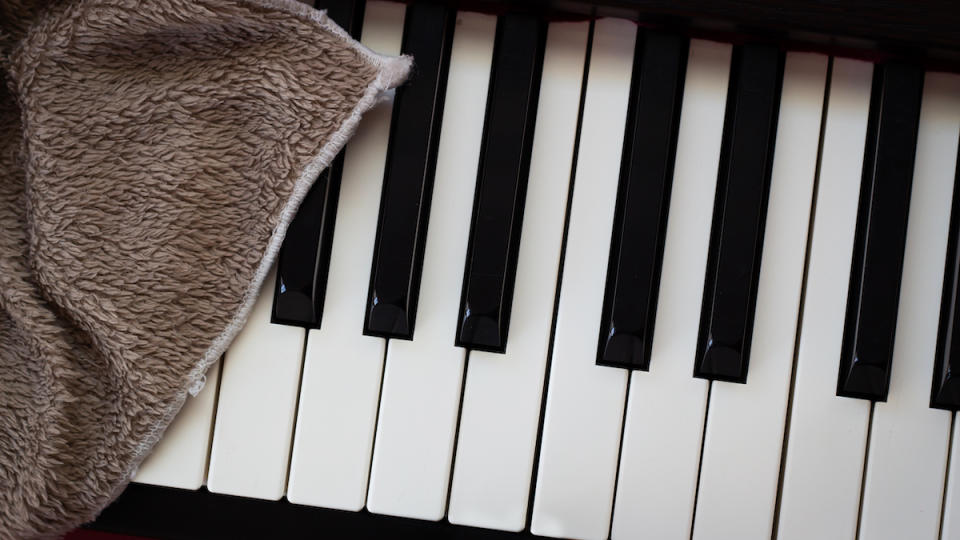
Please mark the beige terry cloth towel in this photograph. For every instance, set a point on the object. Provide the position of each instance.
(152, 154)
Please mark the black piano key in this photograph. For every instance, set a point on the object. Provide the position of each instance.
(491, 263)
(946, 367)
(736, 237)
(408, 180)
(640, 218)
(304, 259)
(874, 293)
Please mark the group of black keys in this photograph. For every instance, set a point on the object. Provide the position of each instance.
(636, 253)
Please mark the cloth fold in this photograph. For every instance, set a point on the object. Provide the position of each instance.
(152, 154)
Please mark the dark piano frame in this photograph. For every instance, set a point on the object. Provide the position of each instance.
(925, 32)
(921, 31)
(157, 512)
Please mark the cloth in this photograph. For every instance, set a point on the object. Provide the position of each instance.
(152, 154)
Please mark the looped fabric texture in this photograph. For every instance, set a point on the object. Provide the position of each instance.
(152, 154)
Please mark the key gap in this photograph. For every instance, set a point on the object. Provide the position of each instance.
(296, 410)
(703, 441)
(456, 434)
(556, 296)
(623, 428)
(376, 421)
(866, 461)
(213, 419)
(946, 476)
(803, 297)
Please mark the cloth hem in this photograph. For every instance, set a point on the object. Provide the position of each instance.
(392, 71)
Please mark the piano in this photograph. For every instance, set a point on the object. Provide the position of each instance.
(622, 269)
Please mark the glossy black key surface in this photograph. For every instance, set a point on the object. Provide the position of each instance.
(946, 367)
(643, 200)
(304, 259)
(491, 264)
(874, 293)
(739, 215)
(408, 179)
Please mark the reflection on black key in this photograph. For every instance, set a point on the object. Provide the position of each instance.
(408, 180)
(874, 293)
(739, 216)
(304, 259)
(501, 183)
(946, 367)
(640, 219)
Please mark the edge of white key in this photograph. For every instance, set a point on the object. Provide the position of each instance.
(340, 390)
(420, 399)
(740, 467)
(906, 467)
(179, 460)
(501, 403)
(663, 431)
(584, 410)
(258, 395)
(826, 443)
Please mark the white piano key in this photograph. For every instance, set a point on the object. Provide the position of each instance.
(950, 526)
(740, 466)
(258, 400)
(340, 391)
(909, 440)
(420, 400)
(501, 403)
(827, 434)
(584, 411)
(664, 426)
(179, 459)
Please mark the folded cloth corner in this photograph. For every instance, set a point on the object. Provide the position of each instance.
(152, 155)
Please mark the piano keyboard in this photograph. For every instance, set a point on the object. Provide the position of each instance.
(588, 280)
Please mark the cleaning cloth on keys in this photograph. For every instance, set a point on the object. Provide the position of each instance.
(152, 154)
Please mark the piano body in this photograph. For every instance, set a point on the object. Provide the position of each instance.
(626, 269)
